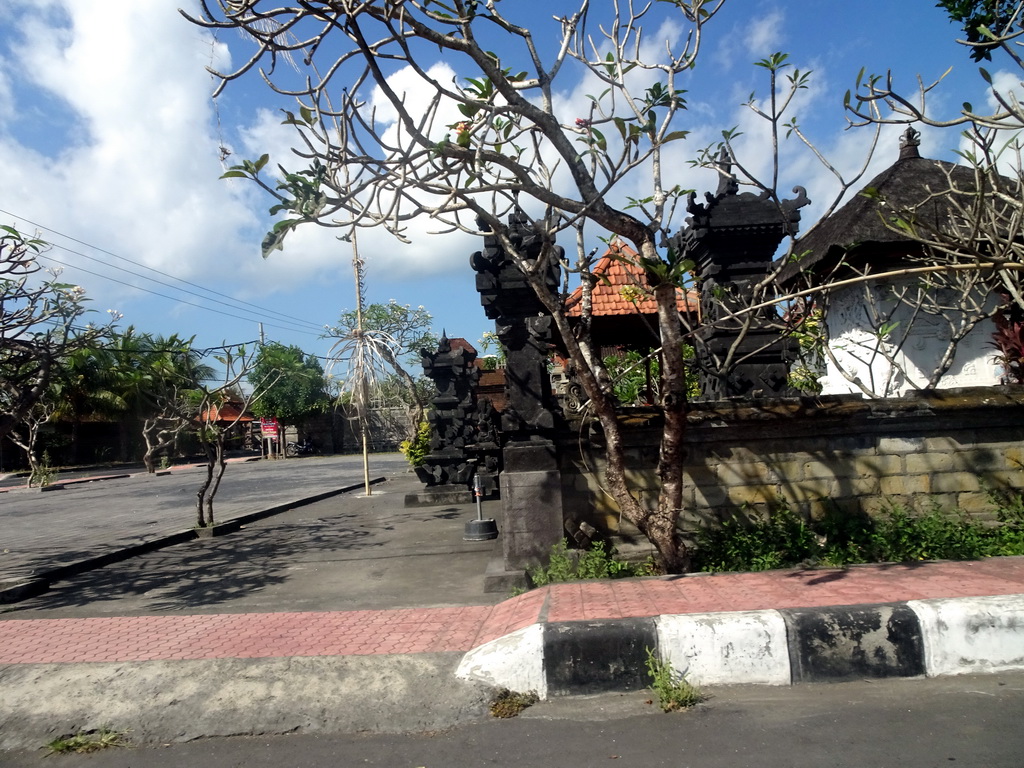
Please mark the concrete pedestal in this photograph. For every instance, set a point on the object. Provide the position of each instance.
(531, 503)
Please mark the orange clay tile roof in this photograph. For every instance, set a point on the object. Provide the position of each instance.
(615, 275)
(227, 412)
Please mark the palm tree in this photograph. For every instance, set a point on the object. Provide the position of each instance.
(156, 376)
(84, 385)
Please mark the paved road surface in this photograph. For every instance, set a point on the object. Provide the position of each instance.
(345, 553)
(962, 722)
(41, 530)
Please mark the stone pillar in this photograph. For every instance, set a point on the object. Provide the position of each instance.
(733, 237)
(447, 470)
(531, 503)
(531, 495)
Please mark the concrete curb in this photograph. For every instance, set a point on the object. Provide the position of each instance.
(121, 471)
(162, 702)
(39, 582)
(770, 647)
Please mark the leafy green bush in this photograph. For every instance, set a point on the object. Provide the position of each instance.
(417, 449)
(900, 537)
(598, 562)
(778, 540)
(44, 474)
(1009, 508)
(781, 539)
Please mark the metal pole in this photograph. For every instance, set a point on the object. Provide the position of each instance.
(480, 529)
(478, 491)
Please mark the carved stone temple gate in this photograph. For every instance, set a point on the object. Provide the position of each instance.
(732, 238)
(530, 481)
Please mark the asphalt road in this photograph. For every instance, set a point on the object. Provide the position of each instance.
(967, 722)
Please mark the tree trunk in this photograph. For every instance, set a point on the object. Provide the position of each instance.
(672, 451)
(28, 446)
(658, 524)
(218, 459)
(201, 493)
(147, 457)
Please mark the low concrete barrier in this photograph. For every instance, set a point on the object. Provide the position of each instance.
(515, 661)
(585, 657)
(768, 647)
(853, 642)
(727, 648)
(964, 636)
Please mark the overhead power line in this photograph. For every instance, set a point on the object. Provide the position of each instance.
(212, 293)
(171, 298)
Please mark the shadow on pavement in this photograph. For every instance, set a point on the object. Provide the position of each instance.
(335, 554)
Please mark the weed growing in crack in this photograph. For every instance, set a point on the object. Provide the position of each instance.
(88, 741)
(673, 691)
(508, 703)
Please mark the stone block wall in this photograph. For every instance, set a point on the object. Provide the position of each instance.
(948, 448)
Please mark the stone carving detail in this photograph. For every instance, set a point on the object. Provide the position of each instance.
(458, 423)
(732, 237)
(523, 326)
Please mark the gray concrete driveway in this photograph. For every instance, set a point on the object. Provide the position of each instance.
(40, 531)
(346, 552)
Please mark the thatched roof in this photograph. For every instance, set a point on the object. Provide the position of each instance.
(861, 229)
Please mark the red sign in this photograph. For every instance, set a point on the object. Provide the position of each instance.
(269, 428)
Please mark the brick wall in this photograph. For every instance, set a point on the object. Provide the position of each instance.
(943, 447)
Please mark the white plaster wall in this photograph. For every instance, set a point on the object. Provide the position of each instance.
(915, 345)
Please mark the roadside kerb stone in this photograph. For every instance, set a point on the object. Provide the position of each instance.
(984, 634)
(852, 642)
(588, 657)
(514, 661)
(744, 647)
(768, 647)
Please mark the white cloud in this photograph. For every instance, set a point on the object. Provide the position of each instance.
(108, 132)
(137, 172)
(765, 34)
(314, 248)
(761, 33)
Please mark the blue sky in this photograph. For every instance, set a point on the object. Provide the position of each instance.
(109, 140)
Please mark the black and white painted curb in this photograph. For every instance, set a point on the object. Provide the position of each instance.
(769, 647)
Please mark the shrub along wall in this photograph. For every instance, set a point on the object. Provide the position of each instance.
(947, 448)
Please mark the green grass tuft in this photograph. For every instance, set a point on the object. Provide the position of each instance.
(674, 693)
(88, 741)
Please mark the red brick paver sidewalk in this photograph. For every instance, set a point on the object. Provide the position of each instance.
(422, 630)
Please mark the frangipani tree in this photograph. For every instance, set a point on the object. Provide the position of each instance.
(454, 113)
(490, 142)
(217, 411)
(40, 325)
